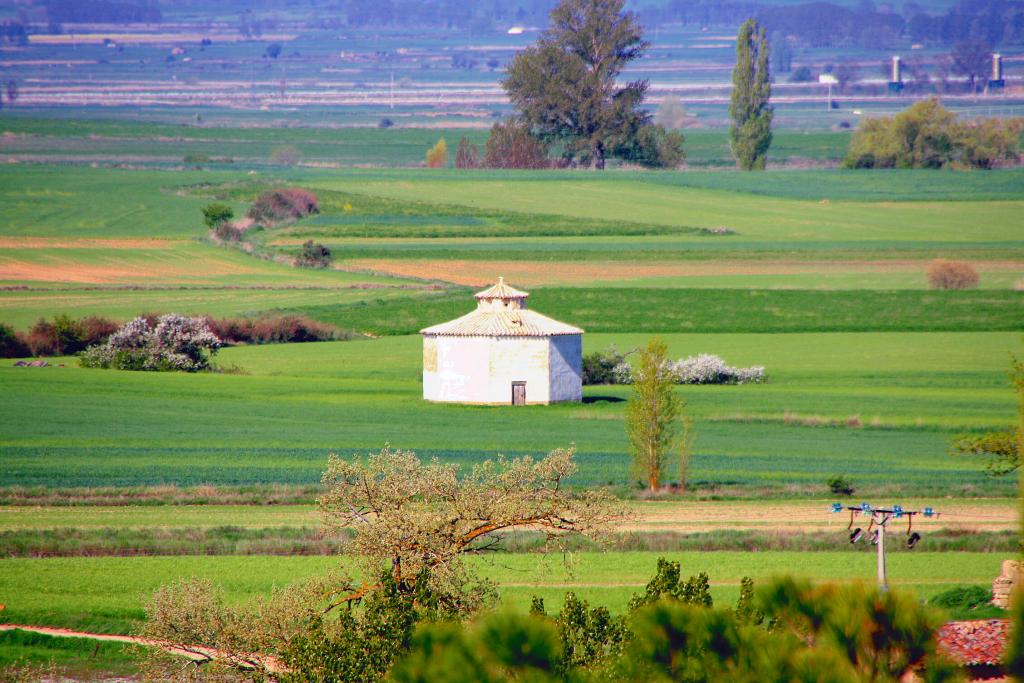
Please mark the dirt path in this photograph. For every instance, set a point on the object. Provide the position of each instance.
(193, 652)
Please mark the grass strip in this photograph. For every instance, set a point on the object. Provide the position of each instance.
(710, 310)
(296, 541)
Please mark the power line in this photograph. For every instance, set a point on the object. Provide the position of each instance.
(880, 517)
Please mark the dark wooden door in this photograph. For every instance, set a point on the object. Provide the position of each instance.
(519, 393)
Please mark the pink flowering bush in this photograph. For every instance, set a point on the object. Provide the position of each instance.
(172, 343)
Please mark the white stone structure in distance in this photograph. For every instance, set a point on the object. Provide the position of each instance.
(502, 354)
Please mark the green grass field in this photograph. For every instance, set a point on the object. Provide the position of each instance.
(86, 140)
(71, 658)
(121, 242)
(911, 392)
(107, 594)
(821, 281)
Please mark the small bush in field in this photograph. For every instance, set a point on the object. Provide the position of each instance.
(42, 338)
(314, 255)
(279, 206)
(175, 342)
(467, 155)
(228, 232)
(11, 343)
(599, 366)
(216, 214)
(437, 156)
(512, 145)
(288, 155)
(840, 484)
(96, 330)
(943, 274)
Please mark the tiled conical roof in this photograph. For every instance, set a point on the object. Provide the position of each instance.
(493, 319)
(501, 291)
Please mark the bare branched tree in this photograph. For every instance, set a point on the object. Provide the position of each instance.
(413, 524)
(410, 517)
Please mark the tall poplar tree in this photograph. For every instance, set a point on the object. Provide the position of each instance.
(652, 413)
(750, 134)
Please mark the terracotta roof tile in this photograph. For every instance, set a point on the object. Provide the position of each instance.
(506, 323)
(974, 642)
(501, 291)
(501, 312)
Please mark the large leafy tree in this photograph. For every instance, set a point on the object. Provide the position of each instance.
(971, 60)
(750, 134)
(565, 86)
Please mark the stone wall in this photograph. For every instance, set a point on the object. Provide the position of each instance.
(1004, 585)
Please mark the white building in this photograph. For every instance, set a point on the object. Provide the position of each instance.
(502, 353)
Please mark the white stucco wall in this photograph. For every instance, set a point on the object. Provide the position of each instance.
(566, 368)
(482, 369)
(518, 359)
(450, 365)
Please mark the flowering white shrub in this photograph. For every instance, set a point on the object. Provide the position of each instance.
(622, 373)
(175, 343)
(704, 368)
(707, 368)
(751, 375)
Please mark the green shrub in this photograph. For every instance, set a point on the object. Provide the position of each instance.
(11, 343)
(654, 147)
(216, 214)
(840, 484)
(314, 255)
(599, 366)
(967, 602)
(1002, 446)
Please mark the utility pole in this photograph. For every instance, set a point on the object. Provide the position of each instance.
(880, 517)
(882, 582)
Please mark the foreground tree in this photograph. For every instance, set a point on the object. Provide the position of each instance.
(750, 133)
(790, 632)
(412, 524)
(1005, 448)
(421, 519)
(652, 413)
(565, 85)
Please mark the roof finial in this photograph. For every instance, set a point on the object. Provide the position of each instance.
(501, 280)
